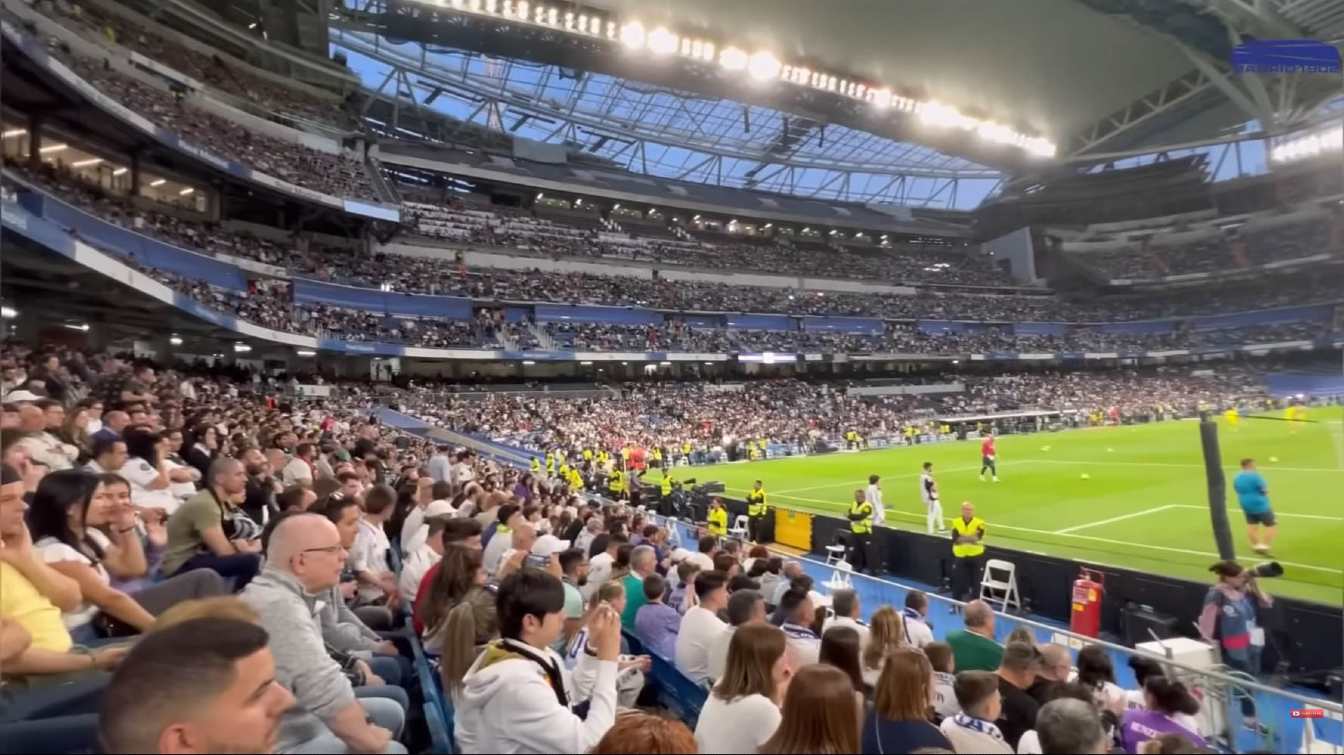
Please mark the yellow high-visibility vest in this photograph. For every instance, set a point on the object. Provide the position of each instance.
(718, 521)
(756, 503)
(961, 527)
(862, 526)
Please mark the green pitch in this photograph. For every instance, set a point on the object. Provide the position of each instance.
(1131, 497)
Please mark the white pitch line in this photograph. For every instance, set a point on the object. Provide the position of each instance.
(1267, 468)
(1121, 518)
(864, 481)
(1128, 543)
(1276, 513)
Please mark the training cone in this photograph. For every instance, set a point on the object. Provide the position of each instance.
(1086, 476)
(1273, 460)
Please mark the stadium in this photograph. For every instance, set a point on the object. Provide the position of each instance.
(1016, 325)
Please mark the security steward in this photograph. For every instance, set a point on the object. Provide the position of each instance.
(616, 484)
(968, 552)
(665, 488)
(756, 513)
(717, 519)
(861, 533)
(536, 465)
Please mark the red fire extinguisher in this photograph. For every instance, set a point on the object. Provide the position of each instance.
(1085, 619)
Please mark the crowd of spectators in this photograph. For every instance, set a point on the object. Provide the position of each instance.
(211, 69)
(336, 175)
(231, 554)
(448, 275)
(1278, 243)
(695, 420)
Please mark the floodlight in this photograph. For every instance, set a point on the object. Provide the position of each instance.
(763, 66)
(175, 340)
(733, 59)
(10, 134)
(632, 35)
(662, 42)
(86, 163)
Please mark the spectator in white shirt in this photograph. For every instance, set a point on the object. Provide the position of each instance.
(944, 678)
(704, 557)
(845, 604)
(743, 709)
(701, 625)
(109, 455)
(518, 696)
(591, 529)
(600, 565)
(798, 612)
(443, 532)
(368, 559)
(744, 607)
(917, 629)
(440, 466)
(509, 517)
(299, 470)
(873, 495)
(147, 471)
(413, 530)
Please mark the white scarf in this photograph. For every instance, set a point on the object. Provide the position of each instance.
(975, 724)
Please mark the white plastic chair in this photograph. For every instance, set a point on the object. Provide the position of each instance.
(835, 554)
(840, 579)
(1000, 583)
(739, 528)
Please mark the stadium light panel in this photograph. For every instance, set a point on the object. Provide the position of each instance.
(54, 149)
(156, 183)
(175, 340)
(306, 353)
(633, 36)
(186, 192)
(121, 171)
(241, 348)
(763, 66)
(733, 59)
(662, 42)
(89, 163)
(10, 134)
(8, 313)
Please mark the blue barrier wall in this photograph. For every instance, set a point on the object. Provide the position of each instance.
(761, 322)
(372, 300)
(1144, 327)
(1040, 328)
(940, 327)
(129, 245)
(857, 325)
(590, 313)
(1317, 313)
(1285, 384)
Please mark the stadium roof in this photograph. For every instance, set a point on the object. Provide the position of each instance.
(1104, 79)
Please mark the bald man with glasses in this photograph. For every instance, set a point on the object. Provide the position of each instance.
(304, 560)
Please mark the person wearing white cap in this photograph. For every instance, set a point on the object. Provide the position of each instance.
(591, 529)
(21, 396)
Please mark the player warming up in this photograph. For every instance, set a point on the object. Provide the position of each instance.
(1253, 495)
(988, 455)
(874, 496)
(933, 507)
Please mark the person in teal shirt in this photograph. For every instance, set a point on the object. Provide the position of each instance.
(1253, 495)
(643, 562)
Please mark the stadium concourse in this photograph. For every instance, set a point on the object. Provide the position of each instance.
(501, 376)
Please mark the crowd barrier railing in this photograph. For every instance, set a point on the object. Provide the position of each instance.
(1239, 712)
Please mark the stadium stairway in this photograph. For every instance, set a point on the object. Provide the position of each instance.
(485, 447)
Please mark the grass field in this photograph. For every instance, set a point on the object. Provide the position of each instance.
(1143, 505)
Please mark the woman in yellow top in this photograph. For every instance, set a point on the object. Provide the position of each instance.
(717, 521)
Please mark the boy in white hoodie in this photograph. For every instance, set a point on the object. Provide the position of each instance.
(517, 697)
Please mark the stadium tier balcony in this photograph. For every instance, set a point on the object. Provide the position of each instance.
(335, 175)
(213, 68)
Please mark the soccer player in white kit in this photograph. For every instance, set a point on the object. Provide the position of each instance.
(928, 491)
(874, 496)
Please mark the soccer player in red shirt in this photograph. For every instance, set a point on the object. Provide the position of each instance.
(987, 456)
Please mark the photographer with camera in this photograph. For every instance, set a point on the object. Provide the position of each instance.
(1231, 614)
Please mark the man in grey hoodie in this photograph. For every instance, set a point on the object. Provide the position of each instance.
(304, 560)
